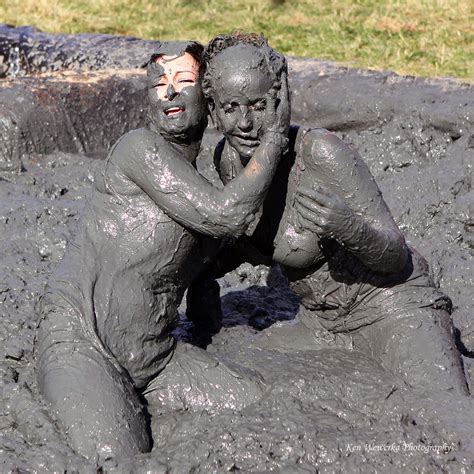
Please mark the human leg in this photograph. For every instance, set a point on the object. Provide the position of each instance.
(406, 326)
(305, 333)
(195, 379)
(97, 405)
(419, 345)
(203, 308)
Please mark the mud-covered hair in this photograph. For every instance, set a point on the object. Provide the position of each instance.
(177, 48)
(275, 61)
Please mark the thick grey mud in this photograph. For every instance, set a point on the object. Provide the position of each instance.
(331, 409)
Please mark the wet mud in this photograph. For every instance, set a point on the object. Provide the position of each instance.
(330, 409)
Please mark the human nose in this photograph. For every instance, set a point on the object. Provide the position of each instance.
(171, 92)
(245, 122)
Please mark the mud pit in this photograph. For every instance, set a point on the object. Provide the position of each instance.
(331, 409)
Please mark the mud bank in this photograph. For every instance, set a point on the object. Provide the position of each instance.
(330, 409)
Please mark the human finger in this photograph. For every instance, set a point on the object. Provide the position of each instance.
(316, 196)
(311, 216)
(284, 88)
(284, 112)
(311, 205)
(308, 225)
(325, 201)
(271, 116)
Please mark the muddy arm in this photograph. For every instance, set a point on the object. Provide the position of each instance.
(381, 249)
(189, 199)
(346, 205)
(182, 193)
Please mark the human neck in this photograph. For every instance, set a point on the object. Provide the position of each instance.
(186, 143)
(189, 151)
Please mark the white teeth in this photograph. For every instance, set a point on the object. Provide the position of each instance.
(174, 111)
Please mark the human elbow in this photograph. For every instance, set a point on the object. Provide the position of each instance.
(394, 259)
(224, 231)
(232, 223)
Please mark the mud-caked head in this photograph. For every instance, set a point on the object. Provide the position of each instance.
(177, 107)
(238, 73)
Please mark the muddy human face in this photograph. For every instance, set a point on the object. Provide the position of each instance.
(177, 103)
(240, 98)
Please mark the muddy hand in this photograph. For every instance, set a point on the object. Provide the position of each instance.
(277, 112)
(321, 211)
(283, 108)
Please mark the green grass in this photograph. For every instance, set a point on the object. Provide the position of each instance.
(417, 37)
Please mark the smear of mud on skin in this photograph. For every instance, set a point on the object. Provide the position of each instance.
(319, 406)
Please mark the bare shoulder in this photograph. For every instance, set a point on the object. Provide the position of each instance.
(133, 141)
(132, 148)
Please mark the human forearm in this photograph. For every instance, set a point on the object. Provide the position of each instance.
(380, 246)
(233, 208)
(382, 250)
(185, 196)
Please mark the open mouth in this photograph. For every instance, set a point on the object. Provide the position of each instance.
(174, 111)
